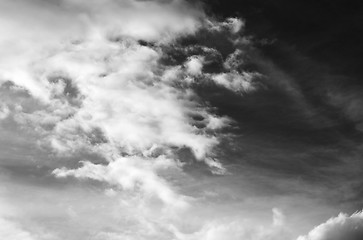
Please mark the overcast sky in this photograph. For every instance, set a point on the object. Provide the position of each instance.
(181, 120)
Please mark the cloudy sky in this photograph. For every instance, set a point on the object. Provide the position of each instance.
(181, 120)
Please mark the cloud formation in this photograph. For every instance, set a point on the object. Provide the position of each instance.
(241, 229)
(102, 86)
(341, 227)
(129, 173)
(109, 91)
(10, 230)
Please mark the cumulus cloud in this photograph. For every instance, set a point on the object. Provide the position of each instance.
(341, 227)
(194, 65)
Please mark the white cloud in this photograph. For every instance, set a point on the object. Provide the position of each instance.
(337, 228)
(120, 94)
(130, 173)
(278, 218)
(234, 81)
(239, 229)
(93, 87)
(11, 231)
(194, 66)
(107, 97)
(233, 25)
(4, 111)
(148, 20)
(25, 39)
(10, 226)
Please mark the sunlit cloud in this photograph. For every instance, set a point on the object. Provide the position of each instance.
(341, 227)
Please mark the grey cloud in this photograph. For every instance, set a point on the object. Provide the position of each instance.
(338, 228)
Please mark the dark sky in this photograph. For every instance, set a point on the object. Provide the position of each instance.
(330, 32)
(307, 120)
(318, 44)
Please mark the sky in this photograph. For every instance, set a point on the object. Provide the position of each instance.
(181, 120)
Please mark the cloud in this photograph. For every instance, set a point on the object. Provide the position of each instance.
(115, 88)
(234, 25)
(26, 39)
(94, 88)
(129, 174)
(109, 96)
(4, 111)
(240, 229)
(235, 82)
(98, 89)
(148, 20)
(341, 227)
(11, 231)
(101, 87)
(194, 66)
(10, 226)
